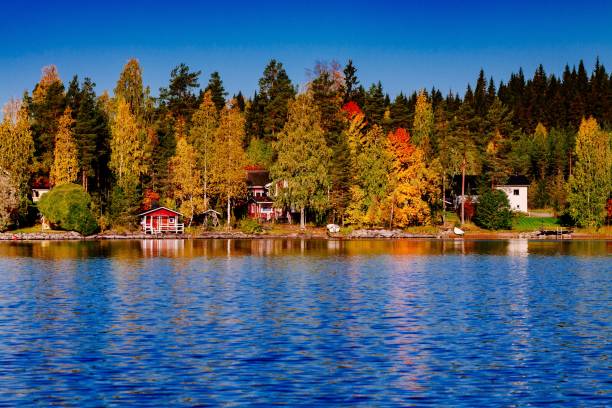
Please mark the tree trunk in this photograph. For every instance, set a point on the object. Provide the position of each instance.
(229, 209)
(443, 198)
(302, 219)
(463, 192)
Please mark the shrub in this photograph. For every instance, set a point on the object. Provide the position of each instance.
(68, 207)
(250, 226)
(493, 211)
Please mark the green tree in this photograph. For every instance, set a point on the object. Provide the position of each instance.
(301, 169)
(493, 210)
(275, 92)
(68, 207)
(217, 91)
(590, 184)
(179, 97)
(65, 167)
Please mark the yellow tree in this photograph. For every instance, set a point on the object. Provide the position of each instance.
(128, 147)
(590, 185)
(228, 159)
(423, 125)
(65, 168)
(49, 77)
(413, 184)
(17, 147)
(204, 125)
(186, 180)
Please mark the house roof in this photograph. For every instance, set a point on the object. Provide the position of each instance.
(257, 178)
(516, 181)
(159, 209)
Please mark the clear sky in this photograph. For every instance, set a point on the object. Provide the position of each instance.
(405, 44)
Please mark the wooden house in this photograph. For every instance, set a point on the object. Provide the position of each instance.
(161, 220)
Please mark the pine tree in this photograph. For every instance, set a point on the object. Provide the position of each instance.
(303, 159)
(275, 92)
(375, 104)
(217, 91)
(228, 159)
(65, 167)
(590, 184)
(351, 83)
(400, 112)
(178, 97)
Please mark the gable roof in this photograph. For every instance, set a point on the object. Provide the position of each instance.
(257, 178)
(158, 209)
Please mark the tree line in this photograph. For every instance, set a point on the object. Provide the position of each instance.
(337, 151)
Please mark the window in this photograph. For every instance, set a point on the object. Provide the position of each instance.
(516, 192)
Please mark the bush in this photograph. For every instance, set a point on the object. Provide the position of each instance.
(493, 211)
(68, 207)
(250, 226)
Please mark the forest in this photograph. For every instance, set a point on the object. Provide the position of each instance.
(337, 150)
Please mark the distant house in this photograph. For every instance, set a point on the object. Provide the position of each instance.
(260, 204)
(516, 188)
(39, 188)
(161, 220)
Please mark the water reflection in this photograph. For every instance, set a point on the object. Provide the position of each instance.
(304, 323)
(172, 248)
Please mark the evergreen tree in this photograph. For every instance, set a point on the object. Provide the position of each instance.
(351, 83)
(275, 92)
(179, 97)
(375, 104)
(400, 112)
(217, 91)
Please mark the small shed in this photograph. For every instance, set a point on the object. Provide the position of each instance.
(516, 188)
(161, 220)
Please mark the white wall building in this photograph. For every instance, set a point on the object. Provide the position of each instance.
(516, 189)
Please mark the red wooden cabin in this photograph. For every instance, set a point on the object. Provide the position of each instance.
(161, 220)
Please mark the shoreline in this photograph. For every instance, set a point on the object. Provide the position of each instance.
(361, 235)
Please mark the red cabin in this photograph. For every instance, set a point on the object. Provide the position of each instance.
(161, 220)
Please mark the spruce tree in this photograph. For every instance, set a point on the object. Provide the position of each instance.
(217, 91)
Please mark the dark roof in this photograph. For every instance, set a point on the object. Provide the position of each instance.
(257, 178)
(516, 181)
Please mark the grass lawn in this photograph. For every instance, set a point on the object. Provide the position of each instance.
(34, 229)
(524, 223)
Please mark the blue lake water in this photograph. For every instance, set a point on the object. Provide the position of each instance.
(305, 323)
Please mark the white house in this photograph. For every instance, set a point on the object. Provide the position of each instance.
(516, 189)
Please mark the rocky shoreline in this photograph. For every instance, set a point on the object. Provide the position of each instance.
(360, 234)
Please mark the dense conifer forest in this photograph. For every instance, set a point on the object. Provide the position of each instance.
(338, 150)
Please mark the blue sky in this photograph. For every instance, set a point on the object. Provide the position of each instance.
(407, 45)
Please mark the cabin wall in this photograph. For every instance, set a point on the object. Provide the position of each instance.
(517, 196)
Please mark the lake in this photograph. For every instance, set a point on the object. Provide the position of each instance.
(305, 323)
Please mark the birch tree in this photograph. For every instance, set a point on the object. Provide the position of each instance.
(204, 125)
(302, 168)
(228, 159)
(65, 168)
